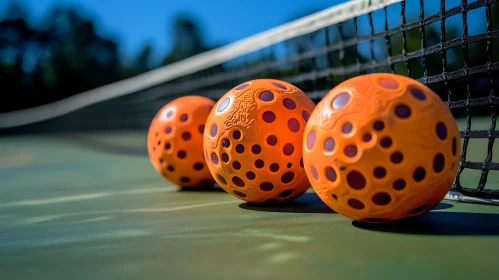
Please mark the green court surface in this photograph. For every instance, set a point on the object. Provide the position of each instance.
(90, 206)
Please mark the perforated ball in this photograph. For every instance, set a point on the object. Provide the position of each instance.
(253, 141)
(175, 141)
(381, 147)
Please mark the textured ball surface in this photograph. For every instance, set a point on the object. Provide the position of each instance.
(175, 141)
(381, 147)
(253, 141)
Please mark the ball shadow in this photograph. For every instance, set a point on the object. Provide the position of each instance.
(214, 188)
(306, 203)
(441, 223)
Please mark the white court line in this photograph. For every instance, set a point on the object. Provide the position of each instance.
(73, 198)
(178, 208)
(282, 257)
(277, 236)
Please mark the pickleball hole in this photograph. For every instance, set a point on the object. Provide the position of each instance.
(271, 140)
(238, 181)
(378, 125)
(355, 204)
(167, 146)
(418, 94)
(240, 148)
(243, 86)
(419, 174)
(274, 167)
(213, 130)
(399, 184)
(181, 154)
(329, 144)
(285, 194)
(268, 116)
(389, 83)
(256, 149)
(438, 163)
(379, 172)
(289, 165)
(335, 197)
(287, 177)
(288, 149)
(184, 117)
(240, 194)
(305, 115)
(186, 135)
(340, 100)
(201, 129)
(441, 130)
(314, 172)
(214, 158)
(266, 186)
(168, 130)
(330, 174)
(259, 163)
(171, 168)
(225, 143)
(198, 166)
(367, 137)
(236, 165)
(403, 111)
(250, 175)
(222, 179)
(225, 157)
(185, 179)
(386, 142)
(289, 104)
(223, 104)
(347, 128)
(311, 139)
(266, 96)
(396, 157)
(236, 134)
(301, 162)
(356, 180)
(293, 125)
(350, 151)
(279, 86)
(381, 199)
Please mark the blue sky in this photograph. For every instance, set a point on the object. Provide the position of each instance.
(221, 21)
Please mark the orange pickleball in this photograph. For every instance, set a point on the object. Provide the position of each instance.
(381, 147)
(253, 141)
(175, 141)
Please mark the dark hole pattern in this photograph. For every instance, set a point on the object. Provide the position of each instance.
(289, 165)
(222, 179)
(355, 180)
(240, 148)
(310, 140)
(335, 197)
(266, 96)
(214, 158)
(240, 194)
(386, 142)
(438, 163)
(272, 140)
(367, 137)
(159, 142)
(378, 125)
(287, 177)
(184, 117)
(441, 131)
(301, 162)
(238, 181)
(213, 130)
(329, 144)
(168, 130)
(417, 210)
(399, 184)
(279, 85)
(397, 157)
(389, 83)
(418, 94)
(315, 174)
(379, 172)
(266, 186)
(288, 149)
(259, 163)
(419, 174)
(355, 204)
(381, 199)
(285, 193)
(225, 157)
(374, 220)
(201, 129)
(225, 143)
(236, 165)
(274, 167)
(171, 168)
(305, 115)
(250, 175)
(340, 100)
(181, 154)
(186, 135)
(198, 166)
(223, 104)
(168, 146)
(454, 146)
(330, 174)
(268, 116)
(293, 125)
(243, 86)
(185, 179)
(160, 160)
(256, 149)
(350, 151)
(402, 111)
(236, 134)
(169, 114)
(347, 128)
(289, 104)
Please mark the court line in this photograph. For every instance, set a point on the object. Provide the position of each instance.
(282, 257)
(157, 210)
(73, 198)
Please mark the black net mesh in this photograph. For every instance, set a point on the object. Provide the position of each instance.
(448, 45)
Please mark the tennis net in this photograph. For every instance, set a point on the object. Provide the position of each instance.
(448, 45)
